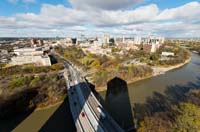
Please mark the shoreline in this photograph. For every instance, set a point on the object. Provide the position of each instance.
(49, 106)
(156, 72)
(162, 70)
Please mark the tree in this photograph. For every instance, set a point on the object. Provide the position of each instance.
(1, 66)
(154, 124)
(58, 66)
(154, 57)
(188, 118)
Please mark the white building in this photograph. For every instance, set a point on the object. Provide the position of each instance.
(28, 51)
(106, 40)
(153, 40)
(38, 60)
(168, 54)
(30, 55)
(137, 40)
(157, 40)
(149, 40)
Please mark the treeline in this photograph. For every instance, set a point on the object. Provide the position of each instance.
(86, 61)
(72, 54)
(25, 87)
(154, 59)
(176, 111)
(23, 93)
(181, 55)
(29, 69)
(129, 73)
(194, 46)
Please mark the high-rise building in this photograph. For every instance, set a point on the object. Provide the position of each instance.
(33, 41)
(106, 39)
(40, 42)
(137, 40)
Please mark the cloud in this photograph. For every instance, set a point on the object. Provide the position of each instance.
(143, 20)
(52, 16)
(187, 12)
(121, 17)
(59, 15)
(7, 22)
(103, 4)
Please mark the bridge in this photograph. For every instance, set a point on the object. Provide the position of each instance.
(87, 112)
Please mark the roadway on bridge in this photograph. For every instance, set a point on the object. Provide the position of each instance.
(83, 101)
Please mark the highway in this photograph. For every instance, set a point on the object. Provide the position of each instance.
(83, 105)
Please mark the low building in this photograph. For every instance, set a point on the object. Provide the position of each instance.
(5, 52)
(28, 51)
(168, 54)
(38, 60)
(30, 55)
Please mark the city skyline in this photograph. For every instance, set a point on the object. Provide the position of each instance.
(36, 18)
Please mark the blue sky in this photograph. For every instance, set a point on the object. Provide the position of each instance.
(50, 18)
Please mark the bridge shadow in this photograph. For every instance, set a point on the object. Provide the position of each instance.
(117, 102)
(162, 103)
(16, 109)
(61, 120)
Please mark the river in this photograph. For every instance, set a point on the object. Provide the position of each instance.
(119, 102)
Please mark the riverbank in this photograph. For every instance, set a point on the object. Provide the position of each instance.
(163, 70)
(156, 71)
(49, 106)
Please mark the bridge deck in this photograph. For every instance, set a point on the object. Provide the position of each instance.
(82, 100)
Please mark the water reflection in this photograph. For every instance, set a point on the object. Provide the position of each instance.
(162, 102)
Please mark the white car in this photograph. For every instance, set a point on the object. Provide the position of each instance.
(103, 115)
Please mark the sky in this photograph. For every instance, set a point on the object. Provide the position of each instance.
(94, 18)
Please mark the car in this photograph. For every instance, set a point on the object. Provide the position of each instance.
(83, 114)
(102, 114)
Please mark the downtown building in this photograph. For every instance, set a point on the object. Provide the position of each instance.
(150, 44)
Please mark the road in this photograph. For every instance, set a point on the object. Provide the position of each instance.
(83, 104)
